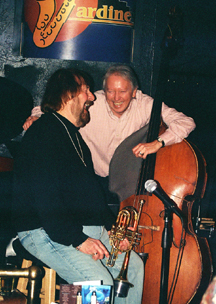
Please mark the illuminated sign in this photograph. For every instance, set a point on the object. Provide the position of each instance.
(79, 29)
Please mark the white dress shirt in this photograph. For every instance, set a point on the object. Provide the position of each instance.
(105, 131)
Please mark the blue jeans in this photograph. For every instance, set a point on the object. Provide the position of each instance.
(72, 265)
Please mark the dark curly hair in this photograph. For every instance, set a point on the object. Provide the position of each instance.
(63, 85)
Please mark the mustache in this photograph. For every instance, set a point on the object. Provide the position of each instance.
(88, 104)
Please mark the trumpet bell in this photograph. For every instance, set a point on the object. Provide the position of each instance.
(121, 283)
(121, 288)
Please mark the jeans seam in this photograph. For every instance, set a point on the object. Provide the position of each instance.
(50, 243)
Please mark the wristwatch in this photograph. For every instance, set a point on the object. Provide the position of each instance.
(161, 141)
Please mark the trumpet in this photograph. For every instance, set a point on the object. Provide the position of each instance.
(126, 227)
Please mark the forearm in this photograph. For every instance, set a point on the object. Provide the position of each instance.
(35, 114)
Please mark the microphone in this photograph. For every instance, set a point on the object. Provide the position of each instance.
(155, 188)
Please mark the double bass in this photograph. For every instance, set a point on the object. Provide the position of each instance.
(180, 169)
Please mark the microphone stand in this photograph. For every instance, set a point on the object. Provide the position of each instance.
(166, 245)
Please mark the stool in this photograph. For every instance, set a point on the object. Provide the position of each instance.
(49, 286)
(33, 276)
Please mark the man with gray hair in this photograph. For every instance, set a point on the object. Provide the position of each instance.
(120, 109)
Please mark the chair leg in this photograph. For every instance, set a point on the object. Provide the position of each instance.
(48, 286)
(34, 275)
(22, 282)
(35, 281)
(48, 289)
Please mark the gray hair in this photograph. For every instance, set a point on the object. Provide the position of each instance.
(124, 71)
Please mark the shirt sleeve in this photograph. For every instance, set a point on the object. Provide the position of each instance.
(36, 111)
(179, 125)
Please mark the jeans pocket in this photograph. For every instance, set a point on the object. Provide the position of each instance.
(29, 239)
(22, 235)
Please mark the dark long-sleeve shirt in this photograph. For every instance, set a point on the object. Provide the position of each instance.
(52, 187)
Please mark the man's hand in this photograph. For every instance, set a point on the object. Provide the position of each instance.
(142, 150)
(124, 245)
(29, 121)
(95, 248)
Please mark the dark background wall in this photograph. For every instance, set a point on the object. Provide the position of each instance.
(191, 87)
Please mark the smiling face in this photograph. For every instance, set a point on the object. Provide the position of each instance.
(81, 104)
(75, 109)
(119, 92)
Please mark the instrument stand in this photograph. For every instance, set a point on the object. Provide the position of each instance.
(166, 245)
